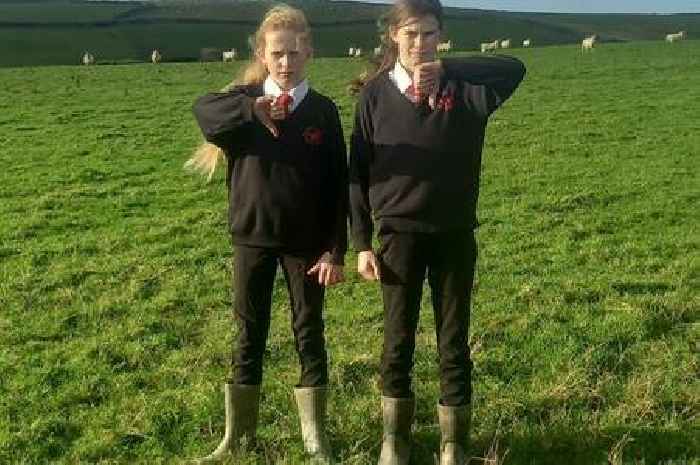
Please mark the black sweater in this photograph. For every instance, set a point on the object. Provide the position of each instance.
(417, 169)
(290, 192)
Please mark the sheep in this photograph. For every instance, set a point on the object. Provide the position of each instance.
(589, 42)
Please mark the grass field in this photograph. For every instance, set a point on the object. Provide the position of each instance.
(115, 329)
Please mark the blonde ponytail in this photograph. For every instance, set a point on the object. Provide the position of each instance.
(207, 156)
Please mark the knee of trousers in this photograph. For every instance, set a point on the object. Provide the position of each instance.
(313, 355)
(396, 368)
(249, 349)
(454, 357)
(248, 373)
(311, 344)
(399, 351)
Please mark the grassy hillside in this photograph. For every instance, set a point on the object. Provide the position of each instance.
(57, 32)
(60, 12)
(620, 27)
(115, 329)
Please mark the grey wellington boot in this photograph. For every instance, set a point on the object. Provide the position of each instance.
(311, 402)
(454, 427)
(242, 402)
(398, 418)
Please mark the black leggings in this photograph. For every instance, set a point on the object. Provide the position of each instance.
(449, 259)
(253, 279)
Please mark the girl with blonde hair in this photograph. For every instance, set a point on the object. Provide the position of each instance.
(287, 182)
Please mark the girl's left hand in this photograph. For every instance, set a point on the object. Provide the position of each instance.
(328, 273)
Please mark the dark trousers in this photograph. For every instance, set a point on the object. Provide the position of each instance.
(253, 279)
(449, 260)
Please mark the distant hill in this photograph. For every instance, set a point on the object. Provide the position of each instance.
(58, 31)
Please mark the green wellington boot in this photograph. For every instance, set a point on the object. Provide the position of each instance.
(242, 403)
(311, 402)
(398, 418)
(454, 429)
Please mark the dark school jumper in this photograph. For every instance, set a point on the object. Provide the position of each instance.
(416, 172)
(287, 205)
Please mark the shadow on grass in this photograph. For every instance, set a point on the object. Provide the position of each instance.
(613, 446)
(635, 446)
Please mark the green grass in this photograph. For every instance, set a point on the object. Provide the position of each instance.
(115, 329)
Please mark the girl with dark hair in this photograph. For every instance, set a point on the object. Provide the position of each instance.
(414, 168)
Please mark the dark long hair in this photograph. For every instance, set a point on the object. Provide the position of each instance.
(400, 11)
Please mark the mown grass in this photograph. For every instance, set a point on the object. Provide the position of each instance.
(115, 328)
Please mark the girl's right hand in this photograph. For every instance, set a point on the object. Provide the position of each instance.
(280, 106)
(368, 265)
(263, 110)
(426, 79)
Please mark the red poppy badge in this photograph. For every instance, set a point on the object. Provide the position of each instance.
(446, 102)
(313, 136)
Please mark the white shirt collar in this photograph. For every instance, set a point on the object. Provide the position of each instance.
(298, 93)
(400, 77)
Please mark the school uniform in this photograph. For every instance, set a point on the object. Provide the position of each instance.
(414, 171)
(287, 206)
